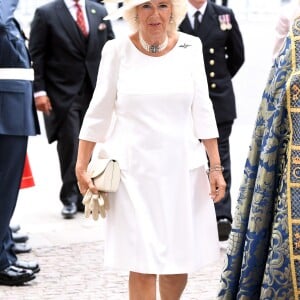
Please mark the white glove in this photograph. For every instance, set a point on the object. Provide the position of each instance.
(95, 204)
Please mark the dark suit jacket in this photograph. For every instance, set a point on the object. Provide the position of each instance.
(223, 53)
(62, 58)
(17, 111)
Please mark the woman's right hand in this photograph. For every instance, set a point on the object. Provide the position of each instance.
(84, 181)
(85, 150)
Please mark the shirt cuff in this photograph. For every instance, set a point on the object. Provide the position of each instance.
(39, 94)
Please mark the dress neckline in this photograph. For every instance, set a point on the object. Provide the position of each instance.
(156, 57)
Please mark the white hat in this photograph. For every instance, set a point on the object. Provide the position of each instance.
(127, 4)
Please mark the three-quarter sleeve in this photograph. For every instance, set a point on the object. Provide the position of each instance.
(99, 116)
(204, 120)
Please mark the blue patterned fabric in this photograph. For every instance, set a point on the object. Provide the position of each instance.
(261, 261)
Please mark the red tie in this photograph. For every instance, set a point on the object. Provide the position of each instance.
(79, 19)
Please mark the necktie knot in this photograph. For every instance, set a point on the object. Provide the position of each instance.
(197, 16)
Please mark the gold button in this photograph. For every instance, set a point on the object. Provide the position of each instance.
(211, 50)
(212, 62)
(213, 85)
(212, 74)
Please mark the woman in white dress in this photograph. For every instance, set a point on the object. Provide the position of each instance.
(149, 111)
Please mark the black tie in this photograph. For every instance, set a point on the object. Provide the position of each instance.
(196, 21)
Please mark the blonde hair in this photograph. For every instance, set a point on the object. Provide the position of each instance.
(179, 10)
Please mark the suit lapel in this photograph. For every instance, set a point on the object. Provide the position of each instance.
(208, 20)
(93, 24)
(186, 26)
(69, 25)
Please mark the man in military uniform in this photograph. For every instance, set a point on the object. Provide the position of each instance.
(223, 52)
(18, 121)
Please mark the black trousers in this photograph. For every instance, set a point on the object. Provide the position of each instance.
(223, 208)
(67, 146)
(12, 157)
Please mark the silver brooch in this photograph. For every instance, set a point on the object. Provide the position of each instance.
(185, 45)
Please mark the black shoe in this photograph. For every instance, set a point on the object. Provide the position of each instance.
(15, 276)
(19, 237)
(224, 229)
(20, 248)
(15, 227)
(27, 265)
(80, 207)
(69, 211)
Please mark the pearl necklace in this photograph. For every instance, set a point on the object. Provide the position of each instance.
(153, 48)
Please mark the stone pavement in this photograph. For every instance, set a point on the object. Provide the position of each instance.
(70, 251)
(74, 271)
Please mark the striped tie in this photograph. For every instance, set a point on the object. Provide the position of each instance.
(79, 19)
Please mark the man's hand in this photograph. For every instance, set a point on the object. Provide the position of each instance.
(42, 103)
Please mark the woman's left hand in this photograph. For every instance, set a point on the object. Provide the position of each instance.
(217, 185)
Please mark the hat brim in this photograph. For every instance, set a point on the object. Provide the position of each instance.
(118, 13)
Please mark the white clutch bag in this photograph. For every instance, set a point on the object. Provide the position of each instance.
(105, 173)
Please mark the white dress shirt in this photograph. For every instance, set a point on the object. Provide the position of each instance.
(72, 9)
(192, 10)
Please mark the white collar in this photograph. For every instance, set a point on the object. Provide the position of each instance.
(71, 3)
(192, 9)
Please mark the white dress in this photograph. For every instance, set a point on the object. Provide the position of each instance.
(162, 219)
